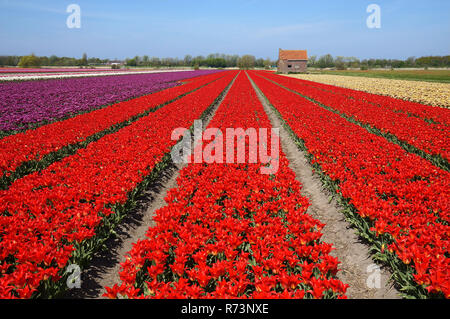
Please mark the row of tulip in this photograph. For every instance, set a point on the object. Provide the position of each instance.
(432, 138)
(425, 112)
(426, 93)
(51, 218)
(50, 70)
(399, 201)
(26, 148)
(31, 103)
(229, 231)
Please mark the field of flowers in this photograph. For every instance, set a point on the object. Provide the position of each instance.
(229, 231)
(67, 202)
(77, 154)
(436, 94)
(85, 73)
(23, 104)
(66, 136)
(48, 70)
(430, 137)
(403, 200)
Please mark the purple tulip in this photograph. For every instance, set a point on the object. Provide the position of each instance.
(28, 102)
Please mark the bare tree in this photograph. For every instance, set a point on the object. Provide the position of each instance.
(246, 62)
(312, 60)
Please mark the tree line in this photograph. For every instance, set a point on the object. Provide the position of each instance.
(218, 60)
(342, 63)
(53, 60)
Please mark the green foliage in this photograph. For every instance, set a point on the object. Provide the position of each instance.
(433, 61)
(340, 66)
(29, 61)
(84, 60)
(218, 60)
(325, 61)
(9, 60)
(131, 62)
(267, 64)
(340, 63)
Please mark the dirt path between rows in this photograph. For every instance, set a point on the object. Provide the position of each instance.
(103, 270)
(354, 256)
(356, 264)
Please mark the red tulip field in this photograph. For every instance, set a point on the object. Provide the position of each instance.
(239, 220)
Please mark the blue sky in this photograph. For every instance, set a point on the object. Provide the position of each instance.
(173, 28)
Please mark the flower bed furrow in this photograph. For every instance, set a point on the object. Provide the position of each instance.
(229, 231)
(25, 149)
(432, 138)
(25, 104)
(398, 200)
(47, 216)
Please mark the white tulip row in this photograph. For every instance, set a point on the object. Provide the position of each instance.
(35, 76)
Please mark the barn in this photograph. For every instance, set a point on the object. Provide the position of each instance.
(292, 61)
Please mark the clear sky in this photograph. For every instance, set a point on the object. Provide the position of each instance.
(173, 28)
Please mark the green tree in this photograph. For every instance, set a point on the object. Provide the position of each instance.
(325, 61)
(353, 62)
(53, 60)
(84, 60)
(339, 62)
(259, 63)
(267, 64)
(146, 60)
(29, 61)
(131, 62)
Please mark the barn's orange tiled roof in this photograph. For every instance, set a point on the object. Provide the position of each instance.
(293, 55)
